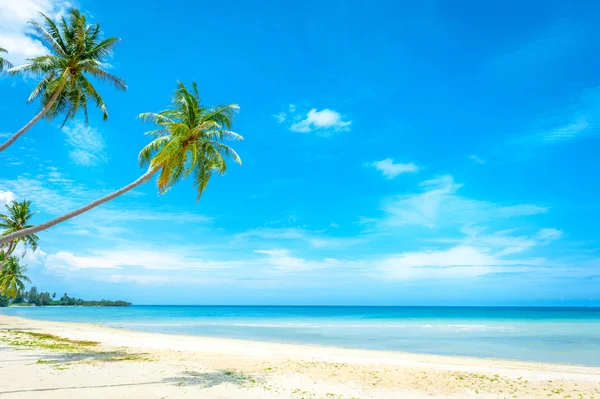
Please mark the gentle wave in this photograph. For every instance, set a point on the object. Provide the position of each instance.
(461, 327)
(556, 335)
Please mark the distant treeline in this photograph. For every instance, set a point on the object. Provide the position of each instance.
(33, 297)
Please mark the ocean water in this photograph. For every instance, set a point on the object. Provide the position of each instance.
(556, 335)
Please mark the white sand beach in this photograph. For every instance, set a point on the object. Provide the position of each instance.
(90, 361)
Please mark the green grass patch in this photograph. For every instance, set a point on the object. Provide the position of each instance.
(30, 339)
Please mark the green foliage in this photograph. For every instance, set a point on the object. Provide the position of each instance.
(12, 277)
(16, 219)
(189, 139)
(33, 297)
(3, 62)
(30, 339)
(4, 301)
(68, 301)
(19, 299)
(77, 50)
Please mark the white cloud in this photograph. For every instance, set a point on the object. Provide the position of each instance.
(139, 279)
(15, 33)
(390, 169)
(314, 238)
(51, 190)
(6, 197)
(275, 233)
(282, 261)
(439, 204)
(455, 263)
(549, 234)
(163, 259)
(506, 242)
(477, 159)
(87, 146)
(325, 120)
(280, 117)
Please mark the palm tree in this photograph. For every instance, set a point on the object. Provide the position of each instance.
(188, 139)
(12, 277)
(77, 50)
(17, 219)
(3, 62)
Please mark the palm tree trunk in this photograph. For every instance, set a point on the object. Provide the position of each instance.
(35, 229)
(36, 118)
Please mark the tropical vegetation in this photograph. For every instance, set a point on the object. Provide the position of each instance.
(17, 219)
(12, 276)
(188, 139)
(77, 51)
(35, 298)
(4, 62)
(4, 301)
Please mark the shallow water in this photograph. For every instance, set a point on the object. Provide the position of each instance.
(557, 335)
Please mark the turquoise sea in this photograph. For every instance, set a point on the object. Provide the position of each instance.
(557, 335)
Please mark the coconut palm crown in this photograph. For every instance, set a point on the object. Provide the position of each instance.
(77, 50)
(189, 139)
(16, 219)
(12, 277)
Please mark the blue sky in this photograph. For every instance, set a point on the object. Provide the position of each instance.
(407, 153)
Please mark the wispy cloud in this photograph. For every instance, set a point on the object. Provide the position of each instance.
(477, 159)
(390, 169)
(163, 259)
(51, 190)
(6, 197)
(315, 238)
(453, 263)
(282, 261)
(87, 146)
(15, 33)
(577, 121)
(440, 204)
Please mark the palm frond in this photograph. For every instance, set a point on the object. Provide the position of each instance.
(114, 80)
(50, 35)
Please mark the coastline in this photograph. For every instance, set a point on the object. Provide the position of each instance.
(348, 373)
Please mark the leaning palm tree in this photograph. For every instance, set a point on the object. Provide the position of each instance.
(188, 140)
(12, 277)
(16, 219)
(4, 62)
(77, 51)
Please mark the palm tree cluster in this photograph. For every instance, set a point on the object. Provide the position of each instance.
(188, 137)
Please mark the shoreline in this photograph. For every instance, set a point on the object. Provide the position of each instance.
(422, 356)
(174, 341)
(446, 375)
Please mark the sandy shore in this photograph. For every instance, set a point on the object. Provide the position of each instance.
(89, 361)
